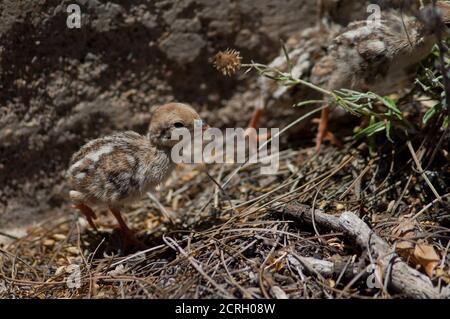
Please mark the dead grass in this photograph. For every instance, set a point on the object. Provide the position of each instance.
(232, 243)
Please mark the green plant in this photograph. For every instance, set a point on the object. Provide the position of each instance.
(382, 112)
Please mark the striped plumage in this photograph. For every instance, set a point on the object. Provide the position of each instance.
(117, 169)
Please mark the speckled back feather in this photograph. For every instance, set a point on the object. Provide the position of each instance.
(118, 168)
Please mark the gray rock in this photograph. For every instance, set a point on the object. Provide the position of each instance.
(182, 47)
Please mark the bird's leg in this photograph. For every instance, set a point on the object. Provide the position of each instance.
(129, 239)
(87, 212)
(323, 133)
(321, 14)
(253, 124)
(320, 11)
(256, 116)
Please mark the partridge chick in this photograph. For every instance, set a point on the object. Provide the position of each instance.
(304, 48)
(378, 56)
(120, 168)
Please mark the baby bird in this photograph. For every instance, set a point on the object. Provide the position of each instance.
(378, 56)
(304, 49)
(120, 168)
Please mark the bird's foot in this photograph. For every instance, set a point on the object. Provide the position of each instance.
(88, 213)
(129, 240)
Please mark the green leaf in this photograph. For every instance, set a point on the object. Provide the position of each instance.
(372, 129)
(286, 55)
(390, 104)
(300, 104)
(429, 114)
(388, 131)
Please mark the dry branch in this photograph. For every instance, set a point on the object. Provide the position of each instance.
(403, 279)
(326, 268)
(399, 276)
(303, 214)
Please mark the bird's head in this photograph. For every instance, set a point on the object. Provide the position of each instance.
(436, 18)
(170, 119)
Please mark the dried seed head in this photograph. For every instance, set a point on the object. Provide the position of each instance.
(228, 62)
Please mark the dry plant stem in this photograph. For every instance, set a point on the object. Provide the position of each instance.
(217, 189)
(402, 279)
(429, 205)
(296, 81)
(294, 193)
(174, 245)
(402, 195)
(222, 191)
(244, 291)
(230, 258)
(160, 206)
(209, 267)
(60, 245)
(421, 172)
(22, 261)
(357, 180)
(269, 140)
(8, 236)
(88, 267)
(143, 252)
(263, 268)
(343, 271)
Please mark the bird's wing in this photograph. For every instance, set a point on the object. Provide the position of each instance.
(117, 138)
(104, 168)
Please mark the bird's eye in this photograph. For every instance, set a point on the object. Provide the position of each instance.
(178, 125)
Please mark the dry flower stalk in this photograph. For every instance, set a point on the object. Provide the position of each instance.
(227, 62)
